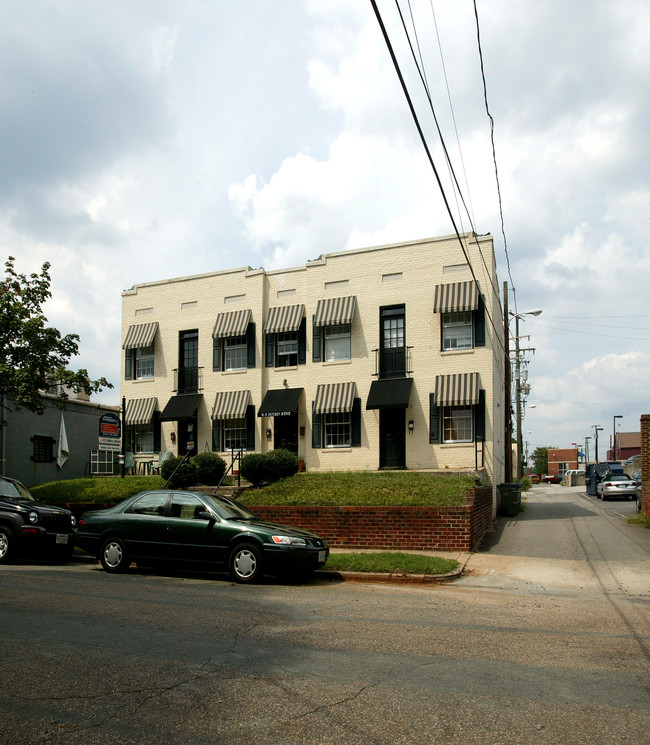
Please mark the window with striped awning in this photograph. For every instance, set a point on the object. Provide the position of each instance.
(284, 319)
(140, 410)
(335, 311)
(334, 398)
(140, 335)
(455, 297)
(230, 405)
(233, 323)
(461, 389)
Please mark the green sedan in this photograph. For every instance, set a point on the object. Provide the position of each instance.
(196, 529)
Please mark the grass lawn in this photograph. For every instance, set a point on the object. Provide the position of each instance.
(390, 562)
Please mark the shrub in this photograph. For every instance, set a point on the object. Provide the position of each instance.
(211, 468)
(254, 468)
(282, 464)
(187, 474)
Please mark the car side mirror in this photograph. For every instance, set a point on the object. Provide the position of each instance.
(205, 515)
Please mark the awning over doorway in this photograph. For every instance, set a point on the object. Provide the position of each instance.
(181, 407)
(390, 394)
(335, 311)
(280, 402)
(284, 319)
(231, 404)
(457, 390)
(140, 410)
(334, 398)
(233, 323)
(140, 335)
(455, 297)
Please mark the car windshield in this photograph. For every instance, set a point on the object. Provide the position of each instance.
(229, 509)
(15, 490)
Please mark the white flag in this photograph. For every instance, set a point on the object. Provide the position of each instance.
(62, 451)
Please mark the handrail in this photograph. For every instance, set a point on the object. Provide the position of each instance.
(234, 456)
(185, 457)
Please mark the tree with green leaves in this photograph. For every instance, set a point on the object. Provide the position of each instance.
(33, 356)
(539, 458)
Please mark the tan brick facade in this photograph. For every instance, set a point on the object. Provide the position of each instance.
(379, 277)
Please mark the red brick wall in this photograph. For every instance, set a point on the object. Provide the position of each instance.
(645, 463)
(392, 528)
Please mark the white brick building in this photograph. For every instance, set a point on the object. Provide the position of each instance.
(384, 357)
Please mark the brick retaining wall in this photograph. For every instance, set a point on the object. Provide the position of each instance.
(392, 528)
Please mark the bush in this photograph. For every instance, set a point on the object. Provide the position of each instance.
(254, 468)
(282, 464)
(187, 474)
(211, 468)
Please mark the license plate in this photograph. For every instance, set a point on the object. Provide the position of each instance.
(322, 555)
(61, 538)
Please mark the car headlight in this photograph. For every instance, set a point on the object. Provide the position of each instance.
(288, 540)
(33, 517)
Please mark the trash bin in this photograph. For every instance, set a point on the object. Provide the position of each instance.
(510, 499)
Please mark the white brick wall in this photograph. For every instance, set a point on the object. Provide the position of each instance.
(413, 270)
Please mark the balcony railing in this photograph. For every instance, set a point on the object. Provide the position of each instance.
(188, 379)
(393, 363)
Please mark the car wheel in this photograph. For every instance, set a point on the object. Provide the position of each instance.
(6, 545)
(114, 556)
(245, 563)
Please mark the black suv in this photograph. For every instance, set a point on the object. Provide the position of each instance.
(28, 527)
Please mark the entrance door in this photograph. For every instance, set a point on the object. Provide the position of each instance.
(285, 432)
(187, 433)
(392, 438)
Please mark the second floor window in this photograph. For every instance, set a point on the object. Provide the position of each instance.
(337, 343)
(144, 362)
(457, 330)
(235, 353)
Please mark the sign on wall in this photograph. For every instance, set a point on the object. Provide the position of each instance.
(110, 432)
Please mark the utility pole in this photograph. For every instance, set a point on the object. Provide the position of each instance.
(508, 390)
(597, 429)
(520, 470)
(587, 451)
(616, 416)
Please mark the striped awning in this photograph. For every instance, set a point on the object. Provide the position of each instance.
(334, 398)
(233, 323)
(140, 410)
(284, 318)
(231, 404)
(455, 297)
(457, 390)
(140, 335)
(335, 310)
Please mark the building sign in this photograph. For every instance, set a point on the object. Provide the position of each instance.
(110, 432)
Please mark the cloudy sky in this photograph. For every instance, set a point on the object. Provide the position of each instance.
(150, 139)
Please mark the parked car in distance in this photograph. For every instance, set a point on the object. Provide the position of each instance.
(636, 476)
(195, 529)
(616, 485)
(533, 478)
(553, 479)
(30, 528)
(635, 459)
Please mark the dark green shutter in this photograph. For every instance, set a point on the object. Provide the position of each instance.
(315, 427)
(156, 431)
(434, 419)
(250, 345)
(216, 354)
(479, 417)
(216, 435)
(302, 342)
(316, 344)
(269, 354)
(128, 364)
(355, 421)
(479, 323)
(250, 428)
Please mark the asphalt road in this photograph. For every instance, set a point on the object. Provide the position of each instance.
(505, 655)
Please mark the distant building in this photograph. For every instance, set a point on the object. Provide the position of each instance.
(377, 358)
(561, 460)
(35, 451)
(627, 445)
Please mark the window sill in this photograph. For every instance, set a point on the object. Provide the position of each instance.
(458, 351)
(457, 444)
(141, 380)
(336, 362)
(234, 372)
(284, 369)
(345, 449)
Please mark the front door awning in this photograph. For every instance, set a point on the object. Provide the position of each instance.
(390, 394)
(280, 402)
(181, 407)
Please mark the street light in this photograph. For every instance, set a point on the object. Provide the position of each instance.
(616, 416)
(597, 429)
(587, 450)
(516, 317)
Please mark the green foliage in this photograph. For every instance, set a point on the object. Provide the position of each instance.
(94, 491)
(539, 458)
(282, 464)
(254, 468)
(186, 475)
(363, 488)
(211, 467)
(33, 356)
(526, 484)
(390, 562)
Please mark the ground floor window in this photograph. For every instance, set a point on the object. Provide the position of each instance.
(140, 438)
(234, 434)
(457, 424)
(337, 430)
(43, 451)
